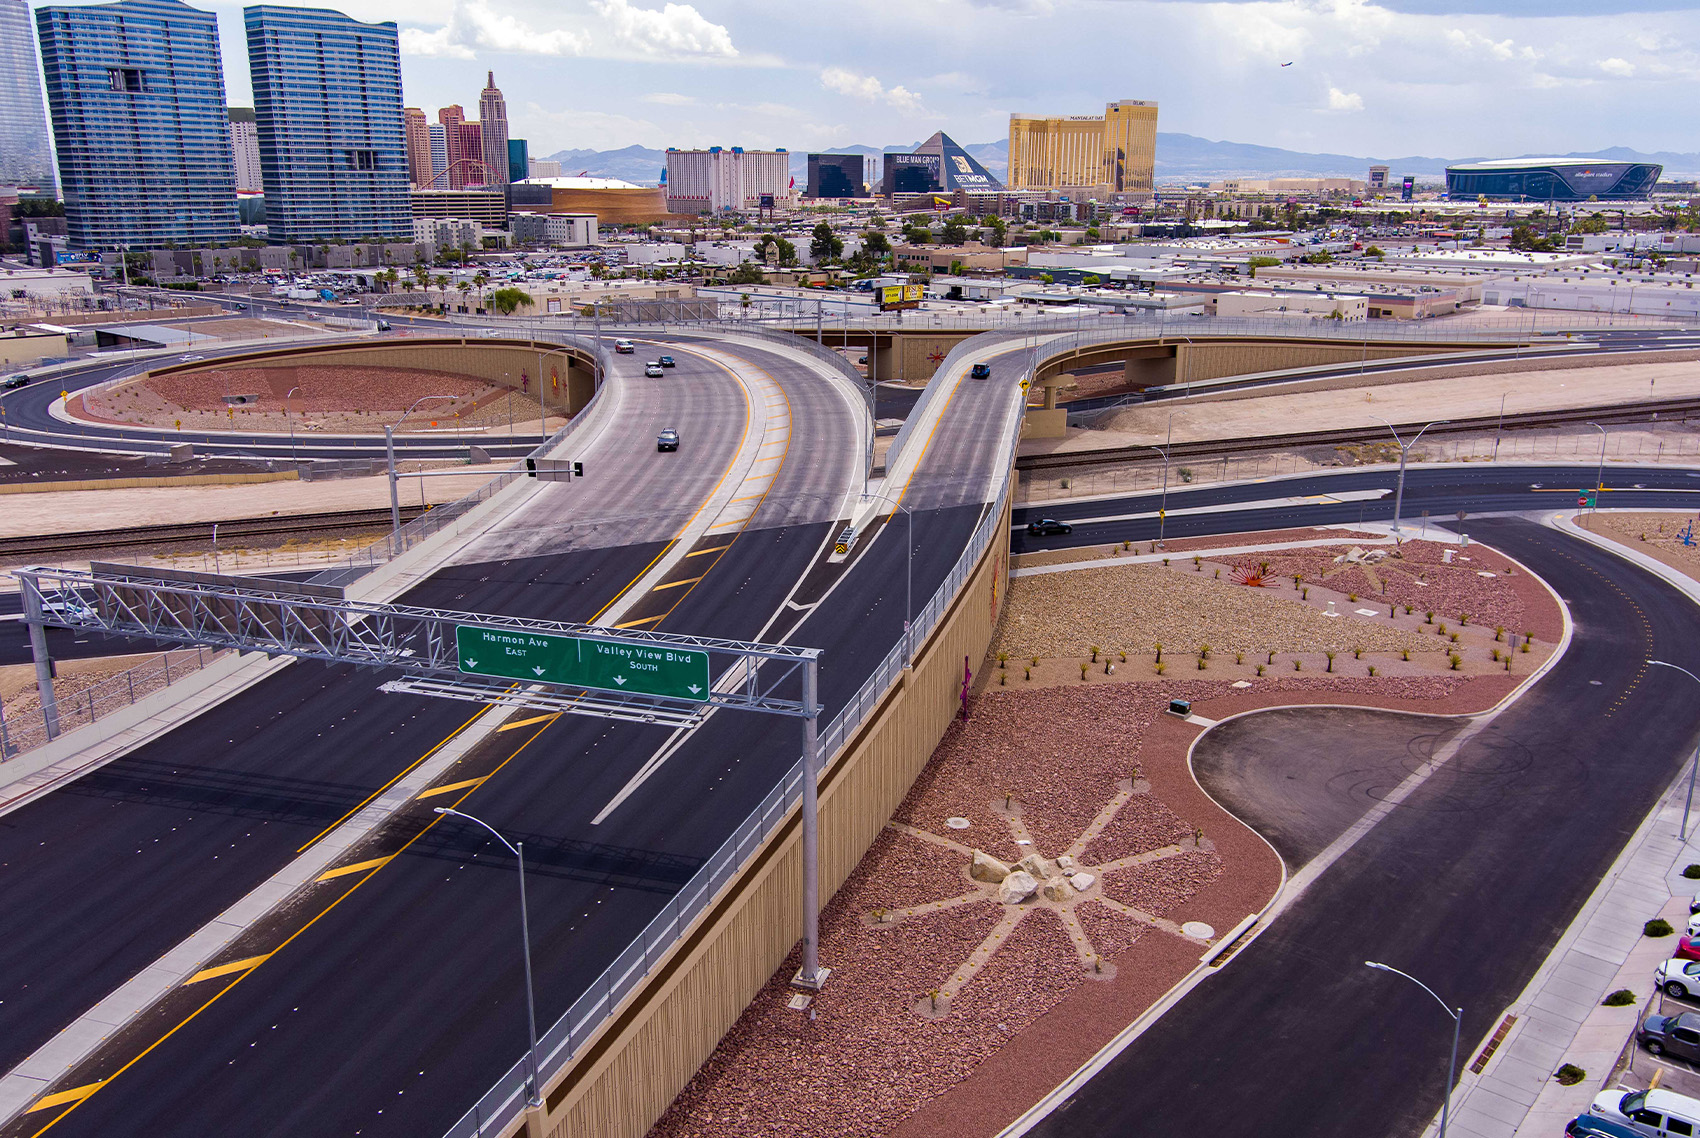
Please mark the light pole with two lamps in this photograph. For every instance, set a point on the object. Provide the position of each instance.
(518, 851)
(1404, 449)
(1457, 1015)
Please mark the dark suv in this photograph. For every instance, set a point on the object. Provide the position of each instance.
(1048, 527)
(980, 371)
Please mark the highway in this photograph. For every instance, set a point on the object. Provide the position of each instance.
(1466, 885)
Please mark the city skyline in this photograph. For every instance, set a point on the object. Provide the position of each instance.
(1365, 78)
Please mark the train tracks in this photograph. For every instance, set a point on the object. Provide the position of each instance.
(1638, 412)
(276, 526)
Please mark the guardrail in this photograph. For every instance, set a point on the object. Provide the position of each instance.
(505, 1101)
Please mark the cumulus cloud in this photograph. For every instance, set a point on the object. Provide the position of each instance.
(670, 99)
(615, 30)
(1621, 68)
(1343, 101)
(869, 89)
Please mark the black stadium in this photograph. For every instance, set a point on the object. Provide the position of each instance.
(1553, 180)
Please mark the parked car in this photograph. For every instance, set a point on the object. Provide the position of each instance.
(1047, 527)
(1678, 977)
(667, 440)
(1650, 1112)
(1593, 1126)
(1677, 1035)
(980, 371)
(666, 361)
(14, 382)
(1694, 903)
(1687, 948)
(624, 347)
(652, 370)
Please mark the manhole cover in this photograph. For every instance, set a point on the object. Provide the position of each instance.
(957, 823)
(1198, 930)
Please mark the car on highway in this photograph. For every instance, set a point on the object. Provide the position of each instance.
(652, 370)
(1650, 1112)
(13, 382)
(1677, 1035)
(667, 440)
(624, 347)
(666, 361)
(383, 325)
(193, 359)
(241, 308)
(1678, 977)
(1593, 1126)
(980, 371)
(1048, 527)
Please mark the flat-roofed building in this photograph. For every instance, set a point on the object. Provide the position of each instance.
(487, 207)
(836, 176)
(726, 179)
(1112, 153)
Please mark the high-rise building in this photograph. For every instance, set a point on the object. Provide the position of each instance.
(519, 160)
(835, 176)
(136, 93)
(493, 129)
(25, 159)
(728, 180)
(245, 149)
(1112, 153)
(439, 155)
(544, 168)
(450, 118)
(417, 130)
(472, 170)
(327, 103)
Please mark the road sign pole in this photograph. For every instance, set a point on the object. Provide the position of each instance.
(395, 502)
(811, 975)
(38, 653)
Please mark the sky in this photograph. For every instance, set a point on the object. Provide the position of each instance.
(1443, 78)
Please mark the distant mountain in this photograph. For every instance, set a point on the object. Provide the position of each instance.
(1180, 158)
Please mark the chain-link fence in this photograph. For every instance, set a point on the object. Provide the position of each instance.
(82, 700)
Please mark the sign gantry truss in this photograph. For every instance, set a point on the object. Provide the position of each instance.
(628, 674)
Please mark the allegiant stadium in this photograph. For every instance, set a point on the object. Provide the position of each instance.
(1553, 179)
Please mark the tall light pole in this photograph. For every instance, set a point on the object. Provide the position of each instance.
(1457, 1015)
(1404, 449)
(1163, 505)
(1600, 474)
(292, 456)
(389, 454)
(1500, 429)
(908, 575)
(1682, 833)
(525, 934)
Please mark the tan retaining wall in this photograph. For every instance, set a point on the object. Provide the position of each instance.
(625, 1077)
(162, 480)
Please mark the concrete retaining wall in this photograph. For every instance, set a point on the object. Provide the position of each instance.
(625, 1077)
(163, 480)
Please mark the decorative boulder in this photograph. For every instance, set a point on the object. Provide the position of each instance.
(1017, 887)
(1082, 881)
(987, 868)
(1037, 866)
(1058, 889)
(1065, 863)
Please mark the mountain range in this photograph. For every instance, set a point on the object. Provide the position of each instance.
(1180, 158)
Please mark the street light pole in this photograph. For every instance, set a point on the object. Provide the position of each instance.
(293, 458)
(389, 454)
(1404, 449)
(1682, 833)
(1163, 505)
(1600, 474)
(533, 1098)
(1457, 1024)
(1500, 429)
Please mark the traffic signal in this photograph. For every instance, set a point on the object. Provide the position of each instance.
(578, 470)
(531, 468)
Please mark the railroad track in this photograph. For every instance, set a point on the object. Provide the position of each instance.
(1639, 412)
(280, 525)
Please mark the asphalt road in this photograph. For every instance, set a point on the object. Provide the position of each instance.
(1467, 885)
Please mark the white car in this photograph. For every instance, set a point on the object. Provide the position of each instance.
(1678, 977)
(653, 371)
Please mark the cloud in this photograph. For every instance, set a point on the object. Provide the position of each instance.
(669, 99)
(1344, 101)
(677, 30)
(474, 27)
(1621, 68)
(869, 89)
(617, 30)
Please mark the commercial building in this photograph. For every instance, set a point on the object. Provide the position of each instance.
(542, 168)
(416, 129)
(1112, 153)
(327, 104)
(563, 229)
(25, 158)
(451, 177)
(488, 208)
(1378, 179)
(245, 150)
(938, 165)
(728, 180)
(136, 92)
(611, 200)
(439, 156)
(519, 160)
(836, 176)
(1553, 180)
(471, 168)
(446, 233)
(493, 132)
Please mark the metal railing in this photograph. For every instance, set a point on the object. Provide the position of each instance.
(81, 708)
(505, 1101)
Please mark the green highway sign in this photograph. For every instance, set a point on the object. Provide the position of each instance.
(583, 661)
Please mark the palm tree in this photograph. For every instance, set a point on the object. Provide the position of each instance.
(442, 284)
(481, 278)
(465, 287)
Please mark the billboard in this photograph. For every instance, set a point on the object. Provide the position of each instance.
(1407, 188)
(900, 296)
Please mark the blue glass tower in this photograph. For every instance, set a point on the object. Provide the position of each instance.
(327, 105)
(24, 155)
(135, 90)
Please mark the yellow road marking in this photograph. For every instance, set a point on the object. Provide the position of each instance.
(226, 969)
(644, 621)
(345, 870)
(75, 1094)
(454, 786)
(518, 723)
(715, 548)
(676, 584)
